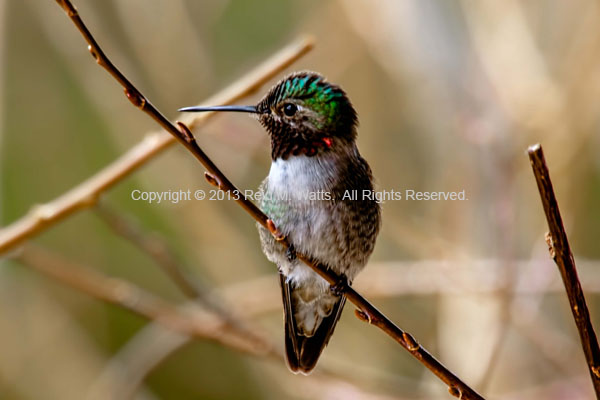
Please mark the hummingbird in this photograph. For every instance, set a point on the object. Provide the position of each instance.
(318, 193)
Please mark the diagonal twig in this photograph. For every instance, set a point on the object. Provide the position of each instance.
(366, 312)
(171, 326)
(157, 248)
(560, 251)
(190, 321)
(86, 194)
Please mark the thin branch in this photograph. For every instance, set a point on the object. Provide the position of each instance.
(126, 371)
(190, 321)
(171, 326)
(182, 133)
(155, 247)
(158, 249)
(560, 251)
(86, 194)
(104, 287)
(162, 337)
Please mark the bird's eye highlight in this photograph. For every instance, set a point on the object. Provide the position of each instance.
(290, 109)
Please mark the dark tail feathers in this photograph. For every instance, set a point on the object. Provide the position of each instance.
(303, 352)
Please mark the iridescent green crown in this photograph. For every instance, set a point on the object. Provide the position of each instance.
(317, 93)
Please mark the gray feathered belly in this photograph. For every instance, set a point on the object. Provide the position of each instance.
(303, 198)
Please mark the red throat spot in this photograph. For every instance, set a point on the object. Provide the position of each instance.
(328, 141)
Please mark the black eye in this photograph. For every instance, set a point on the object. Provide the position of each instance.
(290, 109)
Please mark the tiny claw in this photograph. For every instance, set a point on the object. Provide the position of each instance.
(290, 253)
(135, 97)
(277, 234)
(211, 179)
(363, 316)
(340, 286)
(596, 371)
(185, 131)
(411, 343)
(454, 391)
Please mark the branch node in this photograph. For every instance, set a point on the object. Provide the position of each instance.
(411, 342)
(185, 132)
(277, 234)
(210, 178)
(363, 316)
(94, 53)
(43, 212)
(560, 251)
(550, 243)
(454, 391)
(135, 97)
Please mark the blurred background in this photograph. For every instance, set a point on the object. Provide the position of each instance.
(449, 97)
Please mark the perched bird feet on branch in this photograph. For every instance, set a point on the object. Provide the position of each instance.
(341, 286)
(290, 253)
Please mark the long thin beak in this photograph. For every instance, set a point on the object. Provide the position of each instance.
(246, 109)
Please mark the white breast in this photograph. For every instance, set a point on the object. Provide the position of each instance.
(298, 176)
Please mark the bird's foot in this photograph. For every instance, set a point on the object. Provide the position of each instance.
(290, 253)
(341, 286)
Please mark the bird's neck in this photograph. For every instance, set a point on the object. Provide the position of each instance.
(289, 144)
(313, 173)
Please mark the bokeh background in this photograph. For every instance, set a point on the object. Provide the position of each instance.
(449, 96)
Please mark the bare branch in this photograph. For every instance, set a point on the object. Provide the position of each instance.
(158, 249)
(190, 321)
(171, 328)
(154, 246)
(126, 371)
(182, 133)
(86, 194)
(560, 251)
